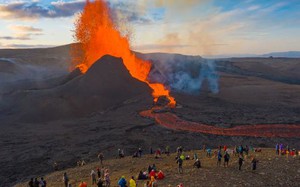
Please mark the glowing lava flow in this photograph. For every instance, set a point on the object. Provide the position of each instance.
(172, 121)
(99, 36)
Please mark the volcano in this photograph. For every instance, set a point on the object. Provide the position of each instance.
(106, 84)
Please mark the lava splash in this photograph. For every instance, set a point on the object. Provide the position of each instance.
(99, 36)
(171, 121)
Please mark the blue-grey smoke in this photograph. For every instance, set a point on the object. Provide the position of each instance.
(185, 74)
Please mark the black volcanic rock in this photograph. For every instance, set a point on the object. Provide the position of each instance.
(106, 84)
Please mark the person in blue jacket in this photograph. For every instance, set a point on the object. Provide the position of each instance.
(122, 182)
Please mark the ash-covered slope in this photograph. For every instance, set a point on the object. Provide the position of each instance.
(106, 84)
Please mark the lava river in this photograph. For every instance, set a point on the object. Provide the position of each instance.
(171, 121)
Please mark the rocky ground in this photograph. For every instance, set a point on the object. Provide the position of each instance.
(272, 170)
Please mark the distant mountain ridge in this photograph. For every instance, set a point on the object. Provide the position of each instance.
(287, 54)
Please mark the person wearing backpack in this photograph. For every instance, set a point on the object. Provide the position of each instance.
(226, 159)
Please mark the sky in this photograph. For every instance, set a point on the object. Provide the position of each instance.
(197, 27)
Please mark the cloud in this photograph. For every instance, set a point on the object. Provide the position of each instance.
(22, 32)
(25, 46)
(15, 38)
(22, 28)
(33, 10)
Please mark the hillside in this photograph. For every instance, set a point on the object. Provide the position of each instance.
(272, 170)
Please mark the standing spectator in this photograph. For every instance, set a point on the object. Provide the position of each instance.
(36, 183)
(277, 149)
(122, 182)
(101, 157)
(30, 183)
(98, 173)
(226, 159)
(93, 177)
(180, 162)
(140, 152)
(132, 182)
(219, 156)
(66, 179)
(241, 160)
(107, 178)
(43, 182)
(100, 183)
(254, 162)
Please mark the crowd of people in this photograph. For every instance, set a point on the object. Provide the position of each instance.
(101, 176)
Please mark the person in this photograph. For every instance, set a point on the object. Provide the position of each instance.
(140, 152)
(107, 178)
(152, 173)
(43, 182)
(254, 162)
(226, 159)
(160, 175)
(225, 148)
(168, 150)
(101, 157)
(142, 176)
(197, 163)
(93, 177)
(98, 173)
(55, 166)
(152, 182)
(157, 153)
(277, 149)
(241, 160)
(122, 153)
(36, 183)
(132, 182)
(122, 182)
(83, 184)
(119, 153)
(135, 154)
(219, 156)
(281, 148)
(180, 162)
(195, 156)
(149, 169)
(154, 167)
(180, 185)
(30, 183)
(208, 152)
(151, 151)
(66, 179)
(100, 183)
(182, 156)
(246, 150)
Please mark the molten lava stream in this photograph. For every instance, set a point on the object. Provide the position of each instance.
(172, 121)
(99, 36)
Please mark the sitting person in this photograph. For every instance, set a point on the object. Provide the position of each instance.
(160, 175)
(152, 174)
(197, 163)
(135, 155)
(187, 157)
(142, 176)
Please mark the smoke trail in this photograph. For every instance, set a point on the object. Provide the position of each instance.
(185, 74)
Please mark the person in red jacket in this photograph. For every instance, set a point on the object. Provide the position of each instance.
(152, 174)
(160, 175)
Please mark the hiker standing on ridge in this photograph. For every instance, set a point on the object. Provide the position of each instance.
(241, 160)
(66, 179)
(180, 162)
(132, 182)
(101, 157)
(226, 159)
(219, 156)
(277, 149)
(93, 177)
(30, 183)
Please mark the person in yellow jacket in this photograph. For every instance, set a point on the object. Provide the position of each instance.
(132, 182)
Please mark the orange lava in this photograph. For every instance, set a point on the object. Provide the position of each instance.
(172, 121)
(97, 33)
